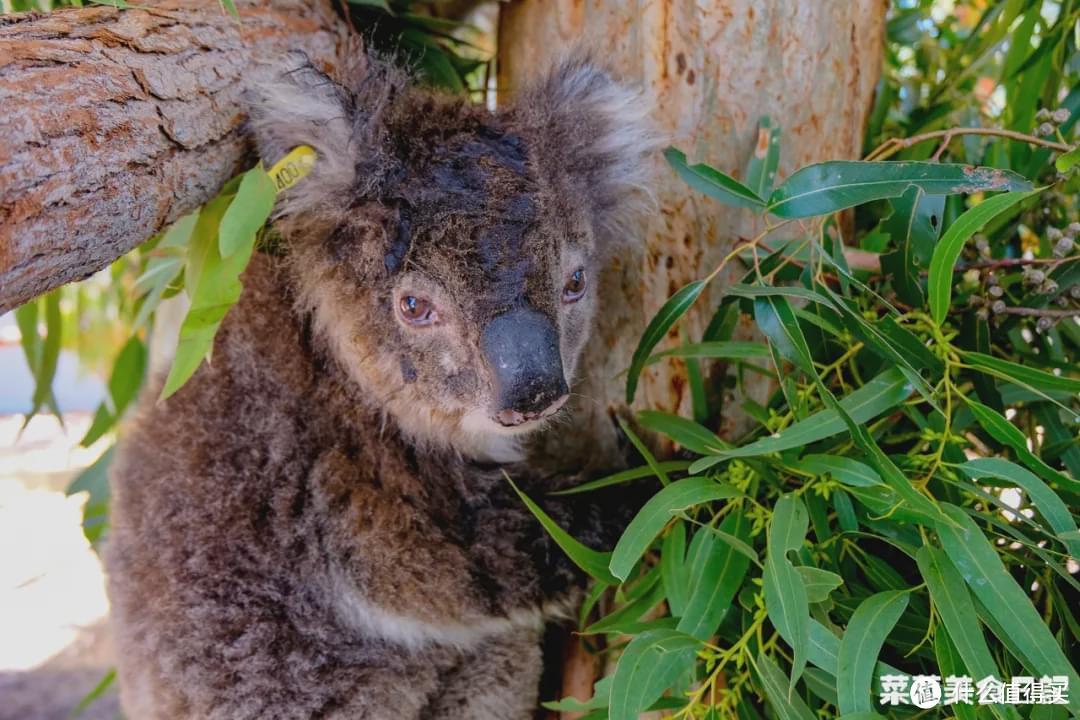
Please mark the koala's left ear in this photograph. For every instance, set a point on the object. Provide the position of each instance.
(595, 132)
(297, 104)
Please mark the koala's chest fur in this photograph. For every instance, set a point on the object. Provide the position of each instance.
(269, 464)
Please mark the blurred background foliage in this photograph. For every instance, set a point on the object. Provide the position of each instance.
(907, 546)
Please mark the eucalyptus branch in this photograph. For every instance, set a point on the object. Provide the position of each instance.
(1012, 262)
(1041, 312)
(894, 145)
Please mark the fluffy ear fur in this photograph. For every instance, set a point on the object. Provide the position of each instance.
(596, 132)
(297, 104)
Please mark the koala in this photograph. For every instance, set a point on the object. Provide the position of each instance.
(319, 524)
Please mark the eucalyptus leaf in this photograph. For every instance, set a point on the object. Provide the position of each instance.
(837, 185)
(859, 648)
(947, 252)
(656, 513)
(712, 182)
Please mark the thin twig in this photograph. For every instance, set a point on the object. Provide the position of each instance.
(1012, 262)
(1039, 312)
(894, 145)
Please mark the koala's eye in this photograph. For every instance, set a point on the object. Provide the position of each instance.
(575, 286)
(417, 311)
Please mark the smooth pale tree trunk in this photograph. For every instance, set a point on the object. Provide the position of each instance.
(710, 70)
(115, 123)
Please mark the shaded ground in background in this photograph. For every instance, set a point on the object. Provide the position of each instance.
(54, 644)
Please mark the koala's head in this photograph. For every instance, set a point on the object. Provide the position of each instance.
(449, 255)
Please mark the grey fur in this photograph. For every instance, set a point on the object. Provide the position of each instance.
(314, 526)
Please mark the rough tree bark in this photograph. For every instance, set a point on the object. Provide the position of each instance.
(118, 122)
(709, 69)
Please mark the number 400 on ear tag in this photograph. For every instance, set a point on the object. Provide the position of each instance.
(292, 168)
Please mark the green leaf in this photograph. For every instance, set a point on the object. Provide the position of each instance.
(687, 433)
(630, 614)
(94, 481)
(831, 186)
(247, 213)
(103, 685)
(735, 543)
(790, 521)
(761, 169)
(648, 666)
(914, 227)
(844, 469)
(593, 562)
(624, 476)
(757, 291)
(713, 183)
(650, 460)
(213, 283)
(673, 571)
(819, 583)
(1022, 374)
(954, 606)
(952, 243)
(125, 379)
(716, 576)
(776, 686)
(601, 694)
(981, 567)
(672, 310)
(1068, 161)
(777, 321)
(717, 350)
(863, 639)
(42, 354)
(656, 513)
(785, 596)
(879, 395)
(823, 649)
(949, 663)
(1046, 501)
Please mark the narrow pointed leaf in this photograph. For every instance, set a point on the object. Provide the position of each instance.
(948, 250)
(818, 583)
(1038, 379)
(687, 433)
(712, 182)
(913, 228)
(247, 213)
(656, 513)
(1005, 601)
(883, 393)
(593, 562)
(1046, 501)
(844, 469)
(776, 686)
(648, 666)
(863, 639)
(831, 186)
(715, 578)
(669, 314)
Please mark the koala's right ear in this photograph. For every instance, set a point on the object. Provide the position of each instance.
(297, 104)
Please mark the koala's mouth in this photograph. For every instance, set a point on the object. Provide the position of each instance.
(518, 420)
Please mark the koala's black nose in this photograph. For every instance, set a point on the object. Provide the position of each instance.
(522, 349)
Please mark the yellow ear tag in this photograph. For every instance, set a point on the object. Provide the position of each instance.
(292, 168)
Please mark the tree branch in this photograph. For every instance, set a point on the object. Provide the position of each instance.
(116, 122)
